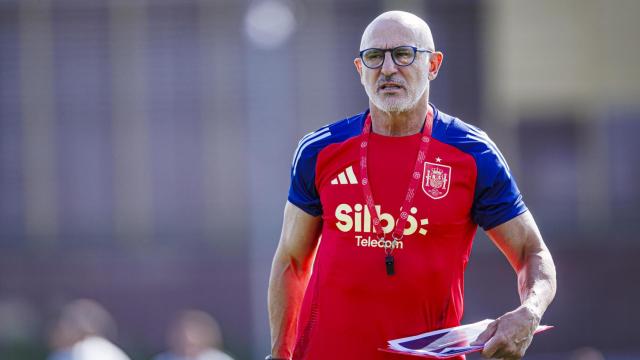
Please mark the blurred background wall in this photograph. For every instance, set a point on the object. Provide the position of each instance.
(145, 150)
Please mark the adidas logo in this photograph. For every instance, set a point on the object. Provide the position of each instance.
(345, 177)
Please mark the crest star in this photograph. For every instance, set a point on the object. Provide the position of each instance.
(438, 159)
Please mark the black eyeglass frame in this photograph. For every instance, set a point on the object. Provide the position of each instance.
(393, 58)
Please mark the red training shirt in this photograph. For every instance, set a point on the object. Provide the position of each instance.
(351, 306)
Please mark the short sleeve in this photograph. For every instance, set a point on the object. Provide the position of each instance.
(497, 197)
(302, 191)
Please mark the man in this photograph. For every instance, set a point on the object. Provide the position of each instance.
(82, 332)
(194, 335)
(381, 213)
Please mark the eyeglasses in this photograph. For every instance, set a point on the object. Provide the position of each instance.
(402, 56)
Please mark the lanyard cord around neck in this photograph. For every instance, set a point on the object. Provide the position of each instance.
(416, 175)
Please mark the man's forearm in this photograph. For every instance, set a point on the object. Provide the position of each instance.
(537, 281)
(511, 334)
(287, 285)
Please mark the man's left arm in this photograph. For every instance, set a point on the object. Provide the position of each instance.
(520, 241)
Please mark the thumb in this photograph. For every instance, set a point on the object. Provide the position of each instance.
(486, 334)
(491, 347)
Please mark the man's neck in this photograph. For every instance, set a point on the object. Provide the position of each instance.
(401, 123)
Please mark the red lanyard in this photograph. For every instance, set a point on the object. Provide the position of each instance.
(416, 175)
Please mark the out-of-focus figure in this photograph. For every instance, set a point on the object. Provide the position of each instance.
(587, 353)
(82, 333)
(194, 335)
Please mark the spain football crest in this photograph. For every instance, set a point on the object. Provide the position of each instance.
(436, 179)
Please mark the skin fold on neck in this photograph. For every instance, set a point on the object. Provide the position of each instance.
(400, 123)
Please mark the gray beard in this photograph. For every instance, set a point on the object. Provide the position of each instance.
(395, 106)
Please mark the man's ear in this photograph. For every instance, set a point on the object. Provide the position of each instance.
(358, 63)
(435, 62)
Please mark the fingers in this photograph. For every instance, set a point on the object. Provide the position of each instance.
(501, 347)
(509, 336)
(486, 334)
(492, 346)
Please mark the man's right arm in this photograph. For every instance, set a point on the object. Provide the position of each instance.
(290, 272)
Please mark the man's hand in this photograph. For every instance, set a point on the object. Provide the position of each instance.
(509, 336)
(520, 241)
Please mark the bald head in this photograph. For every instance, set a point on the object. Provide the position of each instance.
(398, 86)
(392, 27)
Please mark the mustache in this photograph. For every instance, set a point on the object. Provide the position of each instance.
(389, 79)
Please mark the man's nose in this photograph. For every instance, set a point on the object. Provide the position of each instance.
(388, 66)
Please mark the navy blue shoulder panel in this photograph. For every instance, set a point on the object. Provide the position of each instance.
(497, 198)
(303, 192)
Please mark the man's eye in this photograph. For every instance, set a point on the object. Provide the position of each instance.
(373, 55)
(403, 53)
